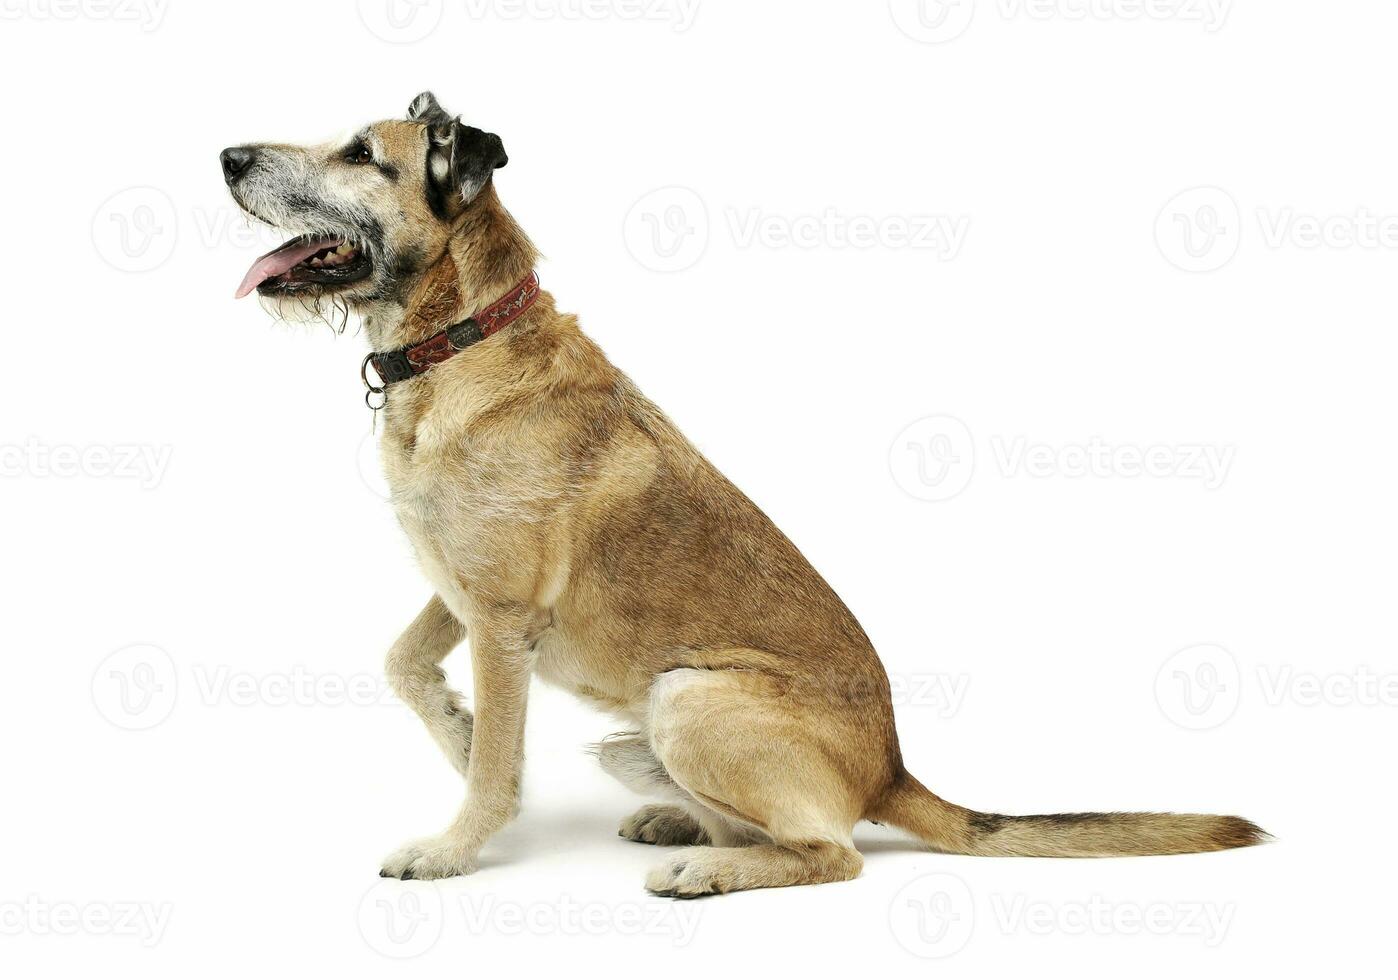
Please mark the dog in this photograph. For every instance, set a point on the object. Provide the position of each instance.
(571, 532)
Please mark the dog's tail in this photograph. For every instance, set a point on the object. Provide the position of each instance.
(956, 830)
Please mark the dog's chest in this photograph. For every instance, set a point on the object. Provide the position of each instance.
(467, 496)
(443, 496)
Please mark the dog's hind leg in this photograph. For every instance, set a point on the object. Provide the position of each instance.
(415, 673)
(681, 819)
(628, 759)
(727, 739)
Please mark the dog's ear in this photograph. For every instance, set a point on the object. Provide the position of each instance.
(475, 155)
(426, 109)
(460, 161)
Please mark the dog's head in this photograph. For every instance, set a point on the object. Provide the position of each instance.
(368, 216)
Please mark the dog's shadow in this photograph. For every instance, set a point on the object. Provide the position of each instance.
(545, 835)
(548, 834)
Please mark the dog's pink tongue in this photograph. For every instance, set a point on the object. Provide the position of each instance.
(277, 261)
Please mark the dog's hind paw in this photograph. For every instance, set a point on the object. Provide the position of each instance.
(664, 825)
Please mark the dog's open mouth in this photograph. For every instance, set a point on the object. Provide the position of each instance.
(303, 263)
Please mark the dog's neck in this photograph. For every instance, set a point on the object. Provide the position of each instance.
(487, 256)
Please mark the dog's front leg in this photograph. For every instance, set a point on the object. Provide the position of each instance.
(501, 665)
(414, 671)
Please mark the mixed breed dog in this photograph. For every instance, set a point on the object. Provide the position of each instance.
(570, 531)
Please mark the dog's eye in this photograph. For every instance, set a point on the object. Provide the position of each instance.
(360, 153)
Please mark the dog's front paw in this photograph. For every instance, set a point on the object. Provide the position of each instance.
(429, 859)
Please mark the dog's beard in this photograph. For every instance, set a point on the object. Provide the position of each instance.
(313, 307)
(309, 308)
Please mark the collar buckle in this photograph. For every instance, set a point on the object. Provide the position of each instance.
(393, 366)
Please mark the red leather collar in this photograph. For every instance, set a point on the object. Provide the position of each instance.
(406, 362)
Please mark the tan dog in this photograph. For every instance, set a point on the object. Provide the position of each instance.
(572, 532)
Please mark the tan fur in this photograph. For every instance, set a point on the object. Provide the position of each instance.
(579, 536)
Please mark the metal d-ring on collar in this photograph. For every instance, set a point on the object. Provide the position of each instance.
(370, 389)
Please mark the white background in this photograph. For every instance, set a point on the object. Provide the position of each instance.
(232, 595)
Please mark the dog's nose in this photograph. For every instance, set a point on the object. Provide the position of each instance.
(236, 160)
